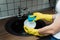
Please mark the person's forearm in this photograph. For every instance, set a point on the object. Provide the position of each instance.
(46, 30)
(54, 16)
(50, 29)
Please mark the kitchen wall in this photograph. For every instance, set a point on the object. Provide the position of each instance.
(9, 8)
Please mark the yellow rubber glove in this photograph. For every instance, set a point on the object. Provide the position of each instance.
(32, 31)
(47, 17)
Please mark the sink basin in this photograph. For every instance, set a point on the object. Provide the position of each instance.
(15, 25)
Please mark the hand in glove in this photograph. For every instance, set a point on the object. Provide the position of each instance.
(32, 31)
(39, 16)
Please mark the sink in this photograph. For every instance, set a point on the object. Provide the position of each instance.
(15, 25)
